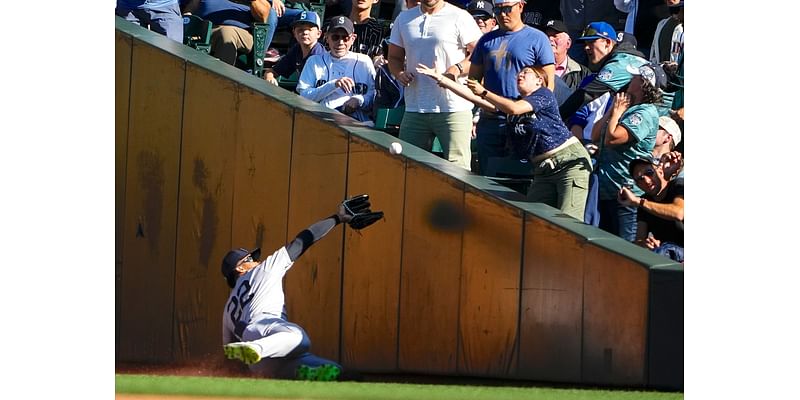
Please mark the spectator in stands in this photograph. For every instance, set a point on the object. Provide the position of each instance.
(566, 68)
(434, 33)
(232, 33)
(668, 38)
(498, 58)
(660, 217)
(340, 79)
(536, 13)
(483, 13)
(280, 17)
(162, 16)
(667, 137)
(369, 31)
(561, 164)
(627, 131)
(578, 13)
(307, 30)
(600, 42)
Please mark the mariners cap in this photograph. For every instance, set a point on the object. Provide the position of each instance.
(309, 17)
(341, 22)
(668, 124)
(556, 25)
(652, 73)
(232, 258)
(481, 7)
(598, 30)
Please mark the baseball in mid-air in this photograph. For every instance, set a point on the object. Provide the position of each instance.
(395, 148)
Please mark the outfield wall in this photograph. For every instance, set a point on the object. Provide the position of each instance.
(461, 278)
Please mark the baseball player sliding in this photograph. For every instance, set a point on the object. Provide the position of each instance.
(255, 329)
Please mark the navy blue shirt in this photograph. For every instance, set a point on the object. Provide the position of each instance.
(294, 60)
(540, 130)
(224, 12)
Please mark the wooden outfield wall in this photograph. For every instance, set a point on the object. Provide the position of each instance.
(461, 278)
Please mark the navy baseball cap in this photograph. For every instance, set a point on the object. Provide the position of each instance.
(232, 258)
(643, 159)
(599, 30)
(481, 7)
(341, 22)
(308, 17)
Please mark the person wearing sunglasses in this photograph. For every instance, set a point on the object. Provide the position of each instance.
(611, 54)
(535, 132)
(499, 57)
(659, 225)
(340, 79)
(483, 13)
(255, 325)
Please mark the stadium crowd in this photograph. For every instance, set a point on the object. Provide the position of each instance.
(585, 97)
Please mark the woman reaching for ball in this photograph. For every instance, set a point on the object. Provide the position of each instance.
(535, 132)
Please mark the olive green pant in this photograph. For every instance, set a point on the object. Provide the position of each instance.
(454, 130)
(562, 181)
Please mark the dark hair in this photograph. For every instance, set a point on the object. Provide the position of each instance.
(539, 71)
(650, 93)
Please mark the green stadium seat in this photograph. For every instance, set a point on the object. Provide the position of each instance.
(197, 33)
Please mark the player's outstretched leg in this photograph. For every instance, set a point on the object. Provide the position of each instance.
(245, 352)
(314, 368)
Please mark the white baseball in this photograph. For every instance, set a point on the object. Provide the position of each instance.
(395, 148)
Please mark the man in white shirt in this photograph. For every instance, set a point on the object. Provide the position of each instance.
(439, 35)
(340, 79)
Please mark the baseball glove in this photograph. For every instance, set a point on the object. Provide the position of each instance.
(357, 208)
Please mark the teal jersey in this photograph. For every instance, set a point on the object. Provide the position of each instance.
(615, 72)
(641, 121)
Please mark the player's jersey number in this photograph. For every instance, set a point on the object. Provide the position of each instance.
(238, 302)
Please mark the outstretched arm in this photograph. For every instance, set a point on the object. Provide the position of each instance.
(454, 87)
(315, 232)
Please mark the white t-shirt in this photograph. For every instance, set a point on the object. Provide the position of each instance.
(439, 38)
(259, 291)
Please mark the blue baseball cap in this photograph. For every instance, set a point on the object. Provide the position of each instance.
(309, 17)
(598, 30)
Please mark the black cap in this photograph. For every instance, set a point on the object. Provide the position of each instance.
(646, 159)
(232, 258)
(341, 22)
(481, 7)
(556, 25)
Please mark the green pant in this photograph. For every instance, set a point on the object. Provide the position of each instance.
(452, 128)
(562, 181)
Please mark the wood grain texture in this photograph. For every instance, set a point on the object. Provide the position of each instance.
(148, 272)
(431, 268)
(490, 281)
(314, 284)
(204, 214)
(614, 319)
(122, 85)
(370, 293)
(552, 303)
(261, 187)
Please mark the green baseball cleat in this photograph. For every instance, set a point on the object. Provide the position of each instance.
(244, 352)
(325, 373)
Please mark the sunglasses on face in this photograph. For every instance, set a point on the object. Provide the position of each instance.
(482, 18)
(249, 258)
(504, 9)
(337, 37)
(649, 172)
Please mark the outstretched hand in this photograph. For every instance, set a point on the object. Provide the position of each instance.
(343, 215)
(429, 72)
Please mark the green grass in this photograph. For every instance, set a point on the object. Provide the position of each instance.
(283, 389)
